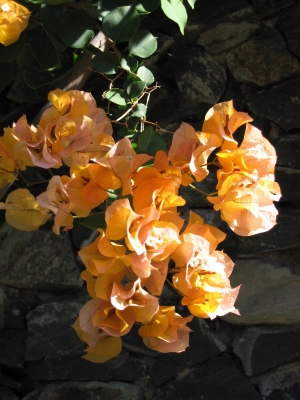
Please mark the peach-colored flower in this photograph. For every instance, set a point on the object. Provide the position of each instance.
(13, 20)
(167, 332)
(101, 347)
(246, 187)
(122, 160)
(221, 121)
(103, 256)
(23, 211)
(190, 151)
(88, 185)
(56, 199)
(101, 314)
(151, 187)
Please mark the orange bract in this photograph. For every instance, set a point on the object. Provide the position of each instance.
(13, 20)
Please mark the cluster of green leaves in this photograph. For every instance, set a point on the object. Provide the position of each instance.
(59, 32)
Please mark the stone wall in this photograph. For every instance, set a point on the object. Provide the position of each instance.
(248, 51)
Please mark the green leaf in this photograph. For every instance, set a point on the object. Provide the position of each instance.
(76, 29)
(150, 142)
(117, 96)
(124, 132)
(146, 6)
(95, 221)
(105, 6)
(129, 63)
(25, 58)
(6, 73)
(142, 44)
(106, 62)
(50, 2)
(175, 10)
(35, 79)
(43, 51)
(13, 51)
(135, 89)
(191, 3)
(132, 123)
(91, 49)
(139, 110)
(51, 17)
(121, 23)
(145, 75)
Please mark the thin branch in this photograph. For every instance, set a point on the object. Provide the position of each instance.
(200, 191)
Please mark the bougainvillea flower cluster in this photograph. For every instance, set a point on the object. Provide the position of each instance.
(13, 20)
(142, 232)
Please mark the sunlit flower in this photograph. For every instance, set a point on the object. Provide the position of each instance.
(167, 332)
(23, 211)
(13, 20)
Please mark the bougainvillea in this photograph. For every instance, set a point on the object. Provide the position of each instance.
(141, 230)
(13, 20)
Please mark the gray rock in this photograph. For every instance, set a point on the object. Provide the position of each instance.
(288, 179)
(261, 349)
(284, 235)
(204, 344)
(12, 345)
(2, 308)
(229, 32)
(16, 307)
(195, 199)
(280, 104)
(217, 379)
(283, 383)
(49, 326)
(288, 151)
(38, 259)
(34, 395)
(7, 394)
(199, 78)
(208, 12)
(268, 8)
(91, 390)
(289, 26)
(262, 60)
(269, 292)
(69, 365)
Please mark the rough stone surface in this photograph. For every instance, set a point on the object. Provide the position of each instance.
(7, 394)
(38, 259)
(16, 307)
(38, 269)
(288, 151)
(2, 308)
(270, 7)
(69, 365)
(280, 104)
(49, 326)
(208, 12)
(199, 78)
(289, 26)
(261, 349)
(193, 198)
(91, 390)
(229, 32)
(288, 179)
(284, 235)
(12, 345)
(269, 293)
(262, 60)
(217, 379)
(281, 384)
(204, 344)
